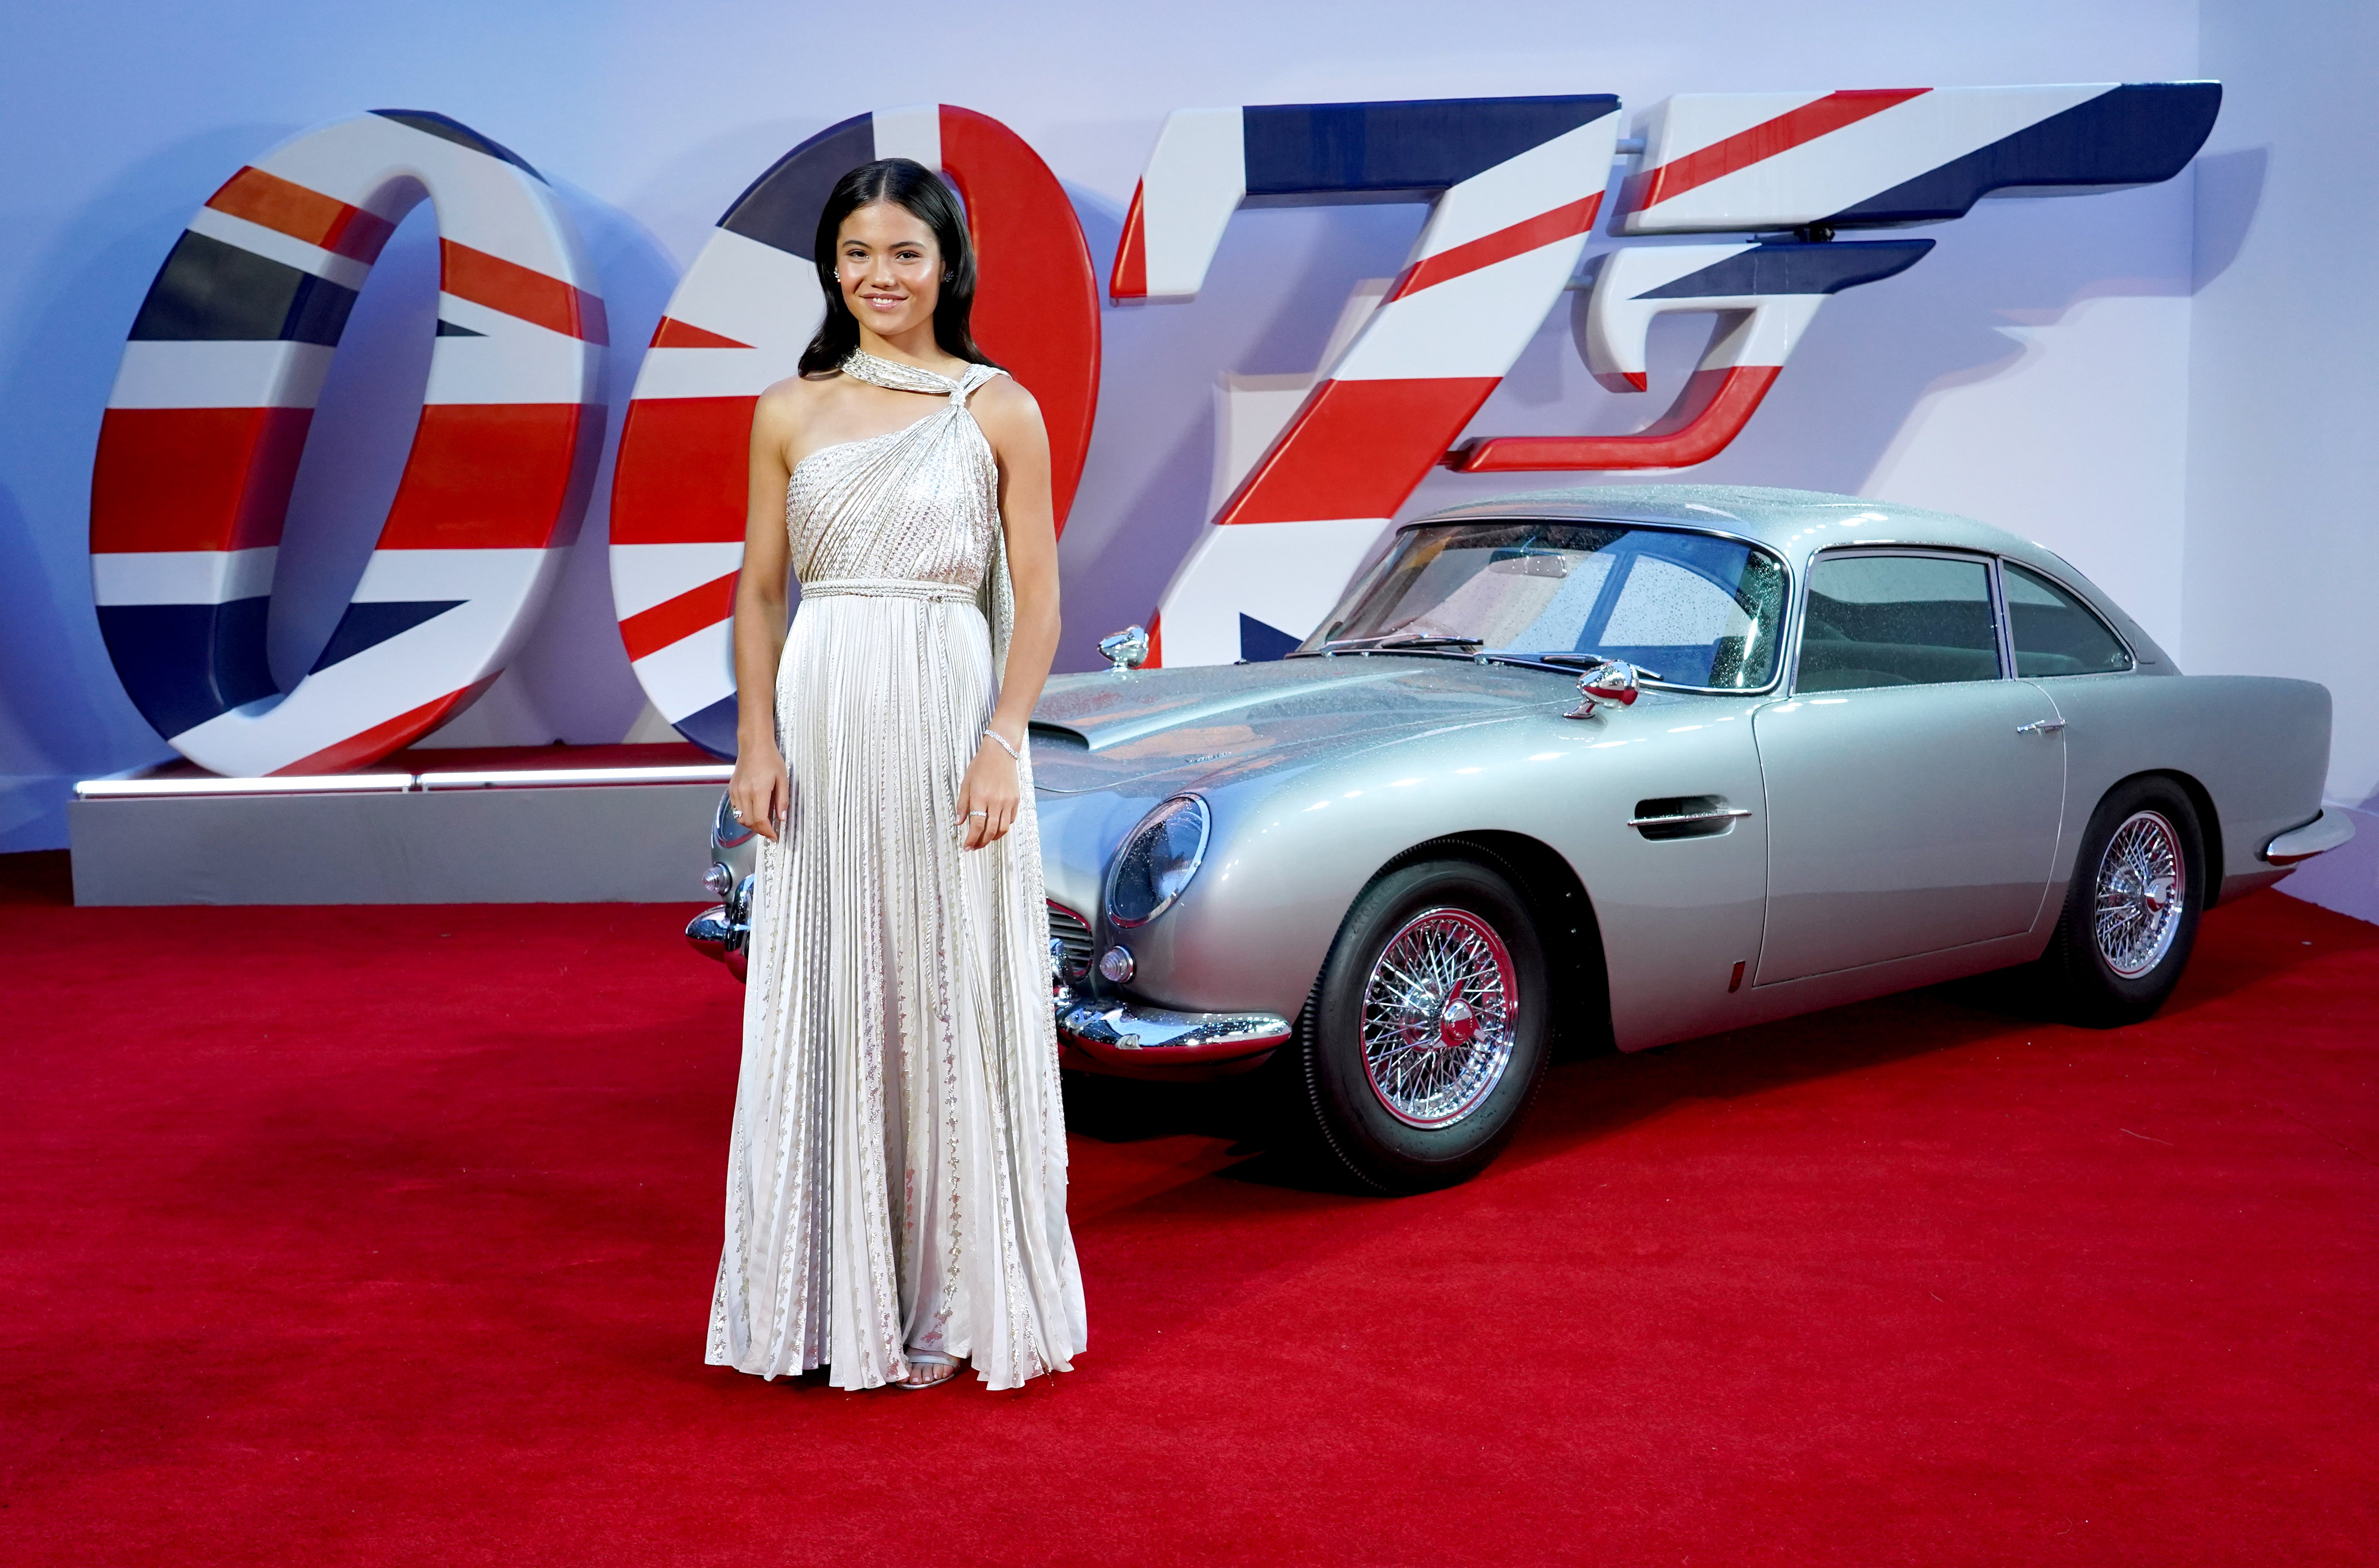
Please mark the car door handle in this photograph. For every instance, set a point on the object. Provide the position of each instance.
(2041, 727)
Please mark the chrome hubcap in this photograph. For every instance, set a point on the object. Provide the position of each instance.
(1439, 1011)
(2142, 882)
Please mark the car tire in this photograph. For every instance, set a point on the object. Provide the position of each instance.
(2130, 911)
(1429, 1030)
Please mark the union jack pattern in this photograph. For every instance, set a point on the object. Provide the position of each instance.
(202, 435)
(737, 322)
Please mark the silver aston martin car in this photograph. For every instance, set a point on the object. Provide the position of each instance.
(1641, 764)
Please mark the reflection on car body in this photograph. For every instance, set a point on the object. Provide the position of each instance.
(1650, 762)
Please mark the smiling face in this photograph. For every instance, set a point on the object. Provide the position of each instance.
(890, 270)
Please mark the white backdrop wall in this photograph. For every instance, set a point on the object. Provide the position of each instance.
(2038, 370)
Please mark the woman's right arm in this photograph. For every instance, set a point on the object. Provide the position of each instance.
(758, 789)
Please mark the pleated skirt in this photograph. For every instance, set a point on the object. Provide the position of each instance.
(897, 1170)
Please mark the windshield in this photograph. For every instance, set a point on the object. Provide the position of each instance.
(1692, 609)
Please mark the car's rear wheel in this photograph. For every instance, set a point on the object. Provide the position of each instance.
(1426, 1034)
(2130, 911)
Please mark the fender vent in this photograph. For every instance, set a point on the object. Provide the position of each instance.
(1686, 816)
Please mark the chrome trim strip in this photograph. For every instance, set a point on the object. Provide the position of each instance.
(1731, 814)
(2326, 832)
(1126, 1026)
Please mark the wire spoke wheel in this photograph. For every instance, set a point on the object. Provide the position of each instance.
(2139, 894)
(1441, 1010)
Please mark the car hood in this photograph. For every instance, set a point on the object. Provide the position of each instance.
(1102, 731)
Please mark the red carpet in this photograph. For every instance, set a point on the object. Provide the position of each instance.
(385, 1235)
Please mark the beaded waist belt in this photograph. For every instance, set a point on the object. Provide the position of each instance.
(887, 588)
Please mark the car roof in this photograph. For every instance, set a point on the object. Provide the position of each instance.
(1795, 524)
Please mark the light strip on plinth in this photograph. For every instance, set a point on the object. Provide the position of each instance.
(295, 784)
(520, 777)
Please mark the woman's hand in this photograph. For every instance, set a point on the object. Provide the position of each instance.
(758, 790)
(987, 798)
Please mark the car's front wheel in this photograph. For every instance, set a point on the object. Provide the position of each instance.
(1429, 1030)
(2131, 912)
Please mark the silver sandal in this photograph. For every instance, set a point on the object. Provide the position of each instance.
(928, 1359)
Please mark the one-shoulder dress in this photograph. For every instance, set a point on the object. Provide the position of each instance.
(896, 1174)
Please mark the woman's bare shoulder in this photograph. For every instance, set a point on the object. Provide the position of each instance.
(1005, 409)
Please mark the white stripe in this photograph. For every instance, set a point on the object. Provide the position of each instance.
(511, 361)
(752, 293)
(1473, 325)
(644, 575)
(216, 374)
(414, 574)
(287, 249)
(182, 576)
(709, 372)
(690, 673)
(914, 131)
(1195, 180)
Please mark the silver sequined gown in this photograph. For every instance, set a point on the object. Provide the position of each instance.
(897, 1175)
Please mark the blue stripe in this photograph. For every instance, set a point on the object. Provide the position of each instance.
(1798, 269)
(2137, 133)
(208, 291)
(370, 622)
(1386, 151)
(712, 728)
(1260, 641)
(447, 128)
(782, 207)
(183, 663)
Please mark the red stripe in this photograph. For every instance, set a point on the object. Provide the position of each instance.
(1710, 414)
(520, 291)
(193, 478)
(1766, 140)
(1129, 280)
(1356, 449)
(361, 750)
(672, 620)
(491, 476)
(1156, 659)
(291, 209)
(675, 334)
(682, 474)
(1501, 246)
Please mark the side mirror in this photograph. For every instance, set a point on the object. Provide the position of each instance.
(1126, 649)
(1612, 680)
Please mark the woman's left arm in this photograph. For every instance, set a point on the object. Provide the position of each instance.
(1020, 443)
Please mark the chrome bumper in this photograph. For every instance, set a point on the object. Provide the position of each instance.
(1135, 1038)
(2298, 845)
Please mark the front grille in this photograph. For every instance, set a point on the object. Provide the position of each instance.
(1070, 947)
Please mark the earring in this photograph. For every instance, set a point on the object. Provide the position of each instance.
(948, 276)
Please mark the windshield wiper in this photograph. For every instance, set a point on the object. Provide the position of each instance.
(1396, 642)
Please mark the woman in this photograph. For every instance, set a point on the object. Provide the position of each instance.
(896, 1196)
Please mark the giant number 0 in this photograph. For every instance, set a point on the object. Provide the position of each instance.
(739, 321)
(208, 420)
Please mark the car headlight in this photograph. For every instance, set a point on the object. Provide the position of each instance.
(1156, 862)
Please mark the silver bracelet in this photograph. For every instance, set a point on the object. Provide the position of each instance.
(1004, 746)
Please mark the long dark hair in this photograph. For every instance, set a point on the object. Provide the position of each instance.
(909, 184)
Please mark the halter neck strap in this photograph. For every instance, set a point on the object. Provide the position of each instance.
(862, 365)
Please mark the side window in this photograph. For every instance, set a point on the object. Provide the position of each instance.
(2054, 633)
(1876, 620)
